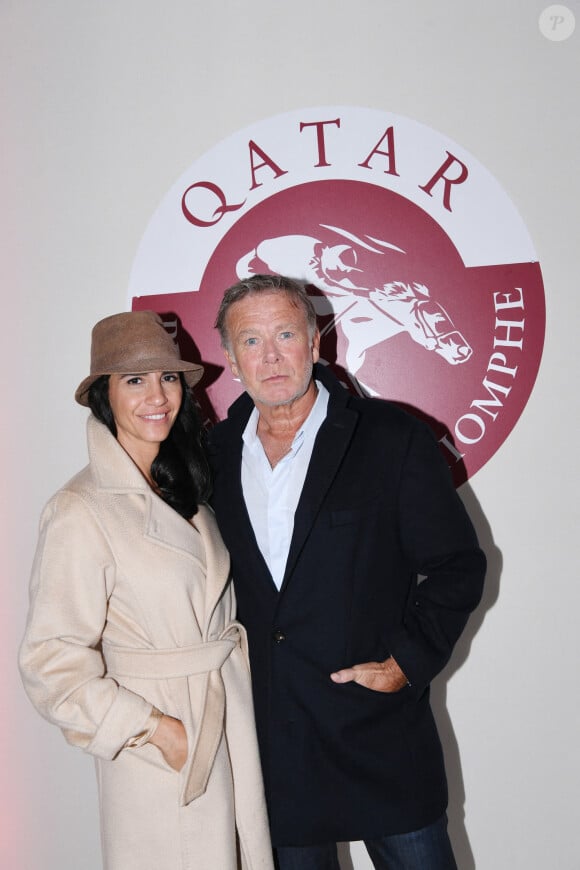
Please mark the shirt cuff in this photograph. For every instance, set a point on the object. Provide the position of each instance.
(150, 728)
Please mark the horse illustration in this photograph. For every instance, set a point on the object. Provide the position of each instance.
(367, 310)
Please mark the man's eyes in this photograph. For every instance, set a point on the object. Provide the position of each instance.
(282, 336)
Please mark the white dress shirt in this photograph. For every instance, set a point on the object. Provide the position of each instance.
(272, 494)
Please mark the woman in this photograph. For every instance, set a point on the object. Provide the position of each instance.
(131, 647)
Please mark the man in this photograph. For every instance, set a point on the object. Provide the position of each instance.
(355, 568)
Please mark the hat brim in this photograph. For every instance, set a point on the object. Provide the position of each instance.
(191, 371)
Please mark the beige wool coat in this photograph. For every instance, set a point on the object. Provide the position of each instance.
(131, 606)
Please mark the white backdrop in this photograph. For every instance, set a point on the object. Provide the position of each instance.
(103, 105)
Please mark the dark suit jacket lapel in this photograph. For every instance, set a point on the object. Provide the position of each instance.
(230, 447)
(330, 446)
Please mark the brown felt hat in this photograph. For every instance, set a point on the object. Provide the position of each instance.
(134, 342)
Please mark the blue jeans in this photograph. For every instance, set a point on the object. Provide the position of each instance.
(426, 849)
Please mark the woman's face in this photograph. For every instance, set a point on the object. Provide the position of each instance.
(144, 407)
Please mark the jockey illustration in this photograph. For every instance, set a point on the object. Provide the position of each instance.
(368, 310)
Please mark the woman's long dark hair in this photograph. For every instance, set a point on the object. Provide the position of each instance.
(180, 470)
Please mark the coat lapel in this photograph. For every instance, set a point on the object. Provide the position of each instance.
(116, 473)
(330, 446)
(166, 527)
(226, 454)
(217, 561)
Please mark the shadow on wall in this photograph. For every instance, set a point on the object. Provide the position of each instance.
(344, 857)
(456, 811)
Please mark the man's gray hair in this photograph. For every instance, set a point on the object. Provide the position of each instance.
(266, 284)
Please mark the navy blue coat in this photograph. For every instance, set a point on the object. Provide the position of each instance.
(378, 511)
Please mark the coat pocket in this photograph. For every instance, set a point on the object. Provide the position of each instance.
(150, 754)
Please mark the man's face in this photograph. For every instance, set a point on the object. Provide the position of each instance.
(270, 350)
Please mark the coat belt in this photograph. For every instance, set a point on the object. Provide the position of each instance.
(200, 658)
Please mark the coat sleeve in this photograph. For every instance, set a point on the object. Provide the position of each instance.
(441, 546)
(60, 660)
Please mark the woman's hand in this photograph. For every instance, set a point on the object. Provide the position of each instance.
(171, 739)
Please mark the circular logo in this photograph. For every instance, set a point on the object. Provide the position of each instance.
(426, 285)
(557, 23)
